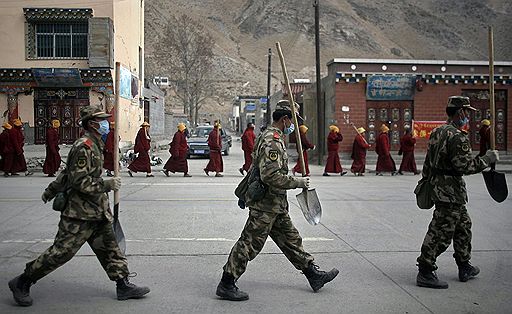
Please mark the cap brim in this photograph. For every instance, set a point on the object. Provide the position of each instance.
(470, 108)
(101, 115)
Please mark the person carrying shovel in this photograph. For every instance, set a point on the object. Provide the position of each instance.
(448, 159)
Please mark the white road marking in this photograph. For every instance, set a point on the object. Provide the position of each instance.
(144, 240)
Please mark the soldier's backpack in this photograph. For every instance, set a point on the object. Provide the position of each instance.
(60, 188)
(251, 187)
(424, 192)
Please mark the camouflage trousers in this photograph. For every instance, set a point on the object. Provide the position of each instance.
(450, 222)
(258, 227)
(72, 234)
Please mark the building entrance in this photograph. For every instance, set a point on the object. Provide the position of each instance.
(395, 114)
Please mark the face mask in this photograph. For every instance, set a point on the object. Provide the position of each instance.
(462, 122)
(104, 128)
(289, 130)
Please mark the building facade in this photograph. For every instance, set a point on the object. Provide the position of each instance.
(58, 56)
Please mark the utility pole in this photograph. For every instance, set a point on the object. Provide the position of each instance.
(320, 110)
(268, 87)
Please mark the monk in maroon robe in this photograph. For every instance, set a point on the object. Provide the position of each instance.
(142, 145)
(407, 143)
(333, 164)
(215, 144)
(52, 161)
(248, 139)
(385, 162)
(178, 149)
(485, 137)
(108, 151)
(359, 153)
(306, 145)
(7, 151)
(18, 139)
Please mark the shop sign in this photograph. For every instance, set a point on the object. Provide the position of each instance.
(390, 87)
(57, 77)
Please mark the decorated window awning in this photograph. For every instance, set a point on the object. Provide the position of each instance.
(57, 14)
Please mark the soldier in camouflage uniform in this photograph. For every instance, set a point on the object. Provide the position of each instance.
(448, 159)
(86, 216)
(269, 216)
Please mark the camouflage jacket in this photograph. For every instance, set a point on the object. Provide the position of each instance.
(271, 157)
(87, 192)
(448, 159)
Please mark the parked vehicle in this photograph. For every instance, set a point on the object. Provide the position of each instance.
(198, 142)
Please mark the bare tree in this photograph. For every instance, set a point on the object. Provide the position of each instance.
(186, 52)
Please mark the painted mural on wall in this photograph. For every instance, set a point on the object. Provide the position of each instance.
(125, 83)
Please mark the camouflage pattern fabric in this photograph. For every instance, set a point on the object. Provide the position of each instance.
(258, 227)
(271, 157)
(88, 198)
(448, 159)
(269, 216)
(72, 234)
(450, 221)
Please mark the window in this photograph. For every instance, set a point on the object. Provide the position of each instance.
(61, 40)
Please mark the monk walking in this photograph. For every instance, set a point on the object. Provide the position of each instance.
(108, 151)
(333, 164)
(7, 151)
(215, 143)
(407, 143)
(178, 149)
(485, 137)
(306, 144)
(52, 161)
(247, 146)
(359, 153)
(384, 161)
(142, 145)
(17, 137)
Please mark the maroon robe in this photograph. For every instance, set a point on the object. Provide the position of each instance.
(485, 139)
(178, 149)
(247, 146)
(17, 137)
(408, 163)
(52, 161)
(142, 146)
(6, 151)
(108, 151)
(215, 143)
(333, 164)
(306, 144)
(384, 161)
(359, 154)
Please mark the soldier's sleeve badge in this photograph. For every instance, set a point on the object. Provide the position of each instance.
(81, 162)
(273, 154)
(276, 135)
(465, 147)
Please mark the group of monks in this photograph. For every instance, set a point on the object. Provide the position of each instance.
(12, 141)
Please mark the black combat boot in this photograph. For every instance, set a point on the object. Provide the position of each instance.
(428, 278)
(318, 278)
(20, 287)
(227, 289)
(127, 290)
(467, 271)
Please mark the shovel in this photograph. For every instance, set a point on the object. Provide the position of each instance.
(307, 199)
(118, 231)
(494, 181)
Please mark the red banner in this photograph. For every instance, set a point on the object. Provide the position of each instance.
(422, 129)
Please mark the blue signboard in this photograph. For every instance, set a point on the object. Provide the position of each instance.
(263, 100)
(390, 87)
(250, 106)
(57, 77)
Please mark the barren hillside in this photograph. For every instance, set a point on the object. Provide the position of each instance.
(408, 29)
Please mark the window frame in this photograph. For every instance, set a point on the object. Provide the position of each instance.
(83, 30)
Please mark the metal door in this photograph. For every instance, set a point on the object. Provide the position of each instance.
(395, 114)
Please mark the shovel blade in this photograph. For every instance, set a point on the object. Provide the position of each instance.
(119, 234)
(310, 206)
(496, 185)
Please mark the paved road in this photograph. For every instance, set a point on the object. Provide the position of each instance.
(180, 231)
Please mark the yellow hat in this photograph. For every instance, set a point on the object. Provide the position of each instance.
(361, 130)
(217, 125)
(145, 124)
(332, 127)
(336, 129)
(7, 126)
(303, 128)
(55, 123)
(486, 122)
(181, 126)
(17, 122)
(384, 128)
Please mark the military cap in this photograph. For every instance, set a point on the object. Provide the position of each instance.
(459, 102)
(91, 112)
(284, 105)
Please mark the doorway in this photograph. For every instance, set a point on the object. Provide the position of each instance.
(395, 114)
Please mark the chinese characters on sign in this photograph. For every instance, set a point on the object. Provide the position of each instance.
(422, 129)
(390, 87)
